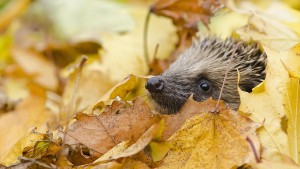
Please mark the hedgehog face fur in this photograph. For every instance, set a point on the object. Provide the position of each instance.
(200, 71)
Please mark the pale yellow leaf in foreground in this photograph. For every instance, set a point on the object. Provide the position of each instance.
(273, 165)
(267, 107)
(212, 140)
(291, 60)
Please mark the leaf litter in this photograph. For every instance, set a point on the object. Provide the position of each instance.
(117, 128)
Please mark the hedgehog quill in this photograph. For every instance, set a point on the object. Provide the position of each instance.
(200, 71)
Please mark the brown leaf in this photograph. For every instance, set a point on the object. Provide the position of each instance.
(80, 154)
(186, 13)
(212, 139)
(117, 123)
(140, 144)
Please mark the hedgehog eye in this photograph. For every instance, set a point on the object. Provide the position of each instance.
(204, 85)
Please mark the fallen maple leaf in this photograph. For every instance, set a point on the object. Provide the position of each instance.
(212, 139)
(266, 105)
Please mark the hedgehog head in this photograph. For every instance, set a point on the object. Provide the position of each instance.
(200, 71)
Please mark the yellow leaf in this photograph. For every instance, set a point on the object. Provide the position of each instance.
(267, 107)
(158, 150)
(120, 90)
(123, 53)
(273, 165)
(212, 139)
(267, 25)
(91, 86)
(291, 60)
(115, 150)
(31, 112)
(26, 141)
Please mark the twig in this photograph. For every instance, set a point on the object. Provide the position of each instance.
(156, 50)
(253, 149)
(71, 103)
(145, 37)
(36, 162)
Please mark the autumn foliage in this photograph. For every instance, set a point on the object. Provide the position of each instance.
(72, 83)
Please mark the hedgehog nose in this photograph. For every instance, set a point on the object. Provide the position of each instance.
(155, 84)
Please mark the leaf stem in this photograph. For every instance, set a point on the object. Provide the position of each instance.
(145, 38)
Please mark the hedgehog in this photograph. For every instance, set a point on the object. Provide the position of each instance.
(199, 71)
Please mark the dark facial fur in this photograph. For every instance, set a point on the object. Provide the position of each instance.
(200, 71)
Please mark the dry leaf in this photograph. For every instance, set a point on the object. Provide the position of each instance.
(186, 13)
(139, 145)
(268, 106)
(118, 122)
(212, 139)
(175, 121)
(120, 91)
(291, 59)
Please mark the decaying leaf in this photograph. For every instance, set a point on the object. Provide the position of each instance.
(119, 122)
(138, 146)
(186, 13)
(212, 139)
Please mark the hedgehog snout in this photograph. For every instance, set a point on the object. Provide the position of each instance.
(155, 84)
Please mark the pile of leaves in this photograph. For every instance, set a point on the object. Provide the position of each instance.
(72, 85)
